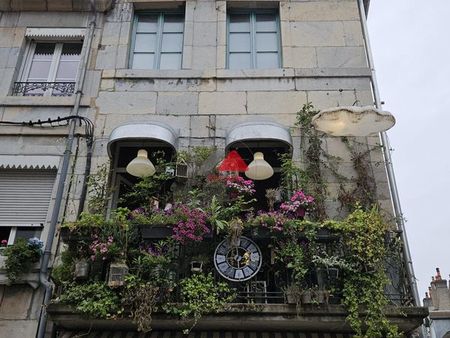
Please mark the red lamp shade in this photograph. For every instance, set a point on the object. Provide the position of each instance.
(233, 162)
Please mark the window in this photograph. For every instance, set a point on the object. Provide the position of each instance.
(50, 69)
(24, 201)
(158, 41)
(253, 40)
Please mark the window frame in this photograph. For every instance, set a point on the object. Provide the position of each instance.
(54, 65)
(159, 36)
(252, 13)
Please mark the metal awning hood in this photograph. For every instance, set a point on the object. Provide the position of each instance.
(52, 33)
(29, 162)
(258, 131)
(141, 132)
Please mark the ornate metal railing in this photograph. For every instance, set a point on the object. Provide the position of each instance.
(40, 88)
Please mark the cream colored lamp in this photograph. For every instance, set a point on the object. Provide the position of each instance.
(259, 169)
(353, 121)
(141, 166)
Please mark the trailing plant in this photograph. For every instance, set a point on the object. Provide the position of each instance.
(63, 272)
(200, 295)
(20, 256)
(96, 300)
(142, 298)
(364, 191)
(312, 155)
(99, 193)
(364, 287)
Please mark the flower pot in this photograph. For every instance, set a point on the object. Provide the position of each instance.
(300, 212)
(81, 269)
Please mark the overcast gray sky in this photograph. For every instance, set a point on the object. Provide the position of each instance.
(411, 46)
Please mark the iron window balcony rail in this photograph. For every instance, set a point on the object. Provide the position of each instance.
(41, 88)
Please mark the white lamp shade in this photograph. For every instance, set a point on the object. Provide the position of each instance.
(353, 121)
(259, 169)
(141, 166)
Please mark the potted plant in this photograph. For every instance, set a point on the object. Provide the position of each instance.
(20, 256)
(298, 205)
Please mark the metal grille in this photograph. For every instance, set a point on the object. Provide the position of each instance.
(40, 88)
(25, 196)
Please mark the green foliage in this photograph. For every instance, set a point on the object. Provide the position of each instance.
(197, 156)
(63, 273)
(20, 257)
(365, 250)
(292, 255)
(96, 300)
(364, 192)
(146, 188)
(200, 295)
(99, 193)
(312, 154)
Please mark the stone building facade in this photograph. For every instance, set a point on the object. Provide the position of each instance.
(312, 51)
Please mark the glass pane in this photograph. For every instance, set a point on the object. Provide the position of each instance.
(239, 61)
(67, 71)
(44, 51)
(39, 71)
(266, 42)
(170, 61)
(145, 43)
(267, 60)
(266, 23)
(239, 42)
(239, 23)
(71, 51)
(143, 61)
(173, 23)
(147, 24)
(172, 42)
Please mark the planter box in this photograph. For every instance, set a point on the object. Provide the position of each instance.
(155, 231)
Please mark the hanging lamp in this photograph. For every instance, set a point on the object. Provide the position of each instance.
(259, 169)
(141, 166)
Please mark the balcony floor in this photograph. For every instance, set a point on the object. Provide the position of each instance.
(246, 317)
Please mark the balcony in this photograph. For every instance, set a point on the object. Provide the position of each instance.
(212, 257)
(43, 88)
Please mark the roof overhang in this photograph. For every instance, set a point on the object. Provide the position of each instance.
(260, 131)
(154, 131)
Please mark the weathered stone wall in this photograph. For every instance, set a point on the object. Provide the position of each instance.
(323, 62)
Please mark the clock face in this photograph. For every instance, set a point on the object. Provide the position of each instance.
(238, 263)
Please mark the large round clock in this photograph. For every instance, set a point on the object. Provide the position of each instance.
(238, 263)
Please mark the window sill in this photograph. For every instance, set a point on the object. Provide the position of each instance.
(55, 101)
(235, 73)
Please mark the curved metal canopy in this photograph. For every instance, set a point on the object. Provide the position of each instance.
(260, 131)
(143, 132)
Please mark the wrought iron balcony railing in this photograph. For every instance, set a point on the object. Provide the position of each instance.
(41, 88)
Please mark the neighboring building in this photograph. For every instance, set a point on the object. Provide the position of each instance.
(438, 302)
(86, 82)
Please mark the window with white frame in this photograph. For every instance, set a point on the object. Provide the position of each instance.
(25, 196)
(157, 41)
(50, 68)
(253, 39)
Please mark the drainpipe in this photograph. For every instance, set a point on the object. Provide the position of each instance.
(388, 160)
(44, 273)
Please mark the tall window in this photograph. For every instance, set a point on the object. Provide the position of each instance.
(158, 41)
(253, 40)
(50, 69)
